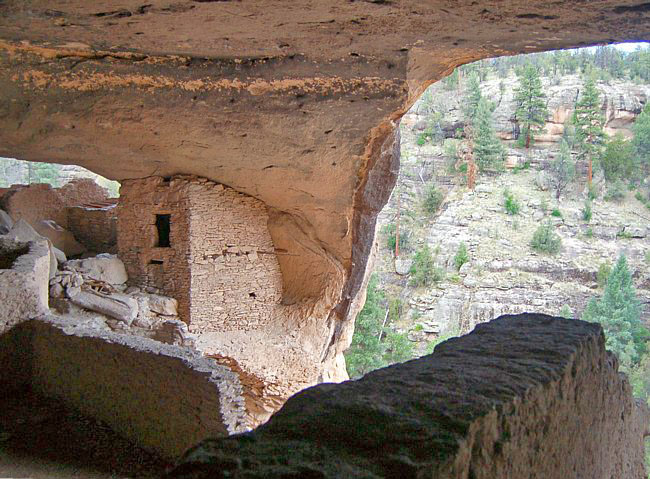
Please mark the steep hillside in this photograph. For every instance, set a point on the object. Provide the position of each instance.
(504, 274)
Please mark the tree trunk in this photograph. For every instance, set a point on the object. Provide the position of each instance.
(589, 173)
(527, 138)
(397, 225)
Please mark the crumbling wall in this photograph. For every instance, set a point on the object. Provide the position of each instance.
(521, 396)
(80, 191)
(24, 276)
(34, 203)
(164, 398)
(94, 226)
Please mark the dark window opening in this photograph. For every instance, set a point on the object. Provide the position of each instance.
(162, 225)
(155, 261)
(252, 295)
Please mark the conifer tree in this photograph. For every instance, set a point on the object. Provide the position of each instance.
(562, 170)
(589, 123)
(531, 109)
(619, 313)
(473, 97)
(641, 141)
(488, 150)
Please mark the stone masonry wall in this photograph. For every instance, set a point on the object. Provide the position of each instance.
(221, 264)
(94, 227)
(24, 276)
(527, 396)
(236, 282)
(164, 398)
(149, 266)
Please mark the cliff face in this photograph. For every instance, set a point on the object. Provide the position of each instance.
(504, 275)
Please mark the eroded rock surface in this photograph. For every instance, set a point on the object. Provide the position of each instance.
(521, 396)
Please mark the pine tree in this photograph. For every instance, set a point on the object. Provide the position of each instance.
(641, 141)
(589, 122)
(474, 97)
(488, 150)
(366, 351)
(619, 313)
(562, 170)
(531, 109)
(619, 160)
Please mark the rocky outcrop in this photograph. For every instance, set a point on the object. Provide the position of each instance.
(512, 399)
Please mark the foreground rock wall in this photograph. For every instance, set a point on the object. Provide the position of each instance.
(24, 276)
(521, 396)
(164, 398)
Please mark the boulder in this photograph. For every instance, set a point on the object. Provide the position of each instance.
(542, 181)
(103, 267)
(61, 238)
(119, 306)
(403, 265)
(6, 223)
(163, 305)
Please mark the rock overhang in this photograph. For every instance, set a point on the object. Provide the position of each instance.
(294, 104)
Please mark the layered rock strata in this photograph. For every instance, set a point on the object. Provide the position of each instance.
(521, 396)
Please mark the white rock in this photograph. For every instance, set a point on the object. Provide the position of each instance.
(103, 267)
(163, 305)
(60, 237)
(6, 223)
(119, 306)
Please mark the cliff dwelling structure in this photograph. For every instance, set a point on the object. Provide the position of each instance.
(256, 142)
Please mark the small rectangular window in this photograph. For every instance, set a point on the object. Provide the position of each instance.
(162, 227)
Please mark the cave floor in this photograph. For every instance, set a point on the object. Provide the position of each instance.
(39, 438)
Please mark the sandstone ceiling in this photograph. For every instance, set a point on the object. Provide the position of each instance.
(293, 102)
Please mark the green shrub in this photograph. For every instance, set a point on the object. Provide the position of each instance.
(640, 197)
(462, 256)
(423, 271)
(603, 273)
(418, 327)
(586, 211)
(544, 205)
(440, 339)
(556, 212)
(546, 240)
(421, 140)
(566, 312)
(647, 256)
(510, 203)
(592, 192)
(623, 234)
(616, 191)
(589, 233)
(433, 200)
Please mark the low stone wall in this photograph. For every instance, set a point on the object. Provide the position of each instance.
(94, 227)
(521, 396)
(164, 398)
(24, 275)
